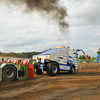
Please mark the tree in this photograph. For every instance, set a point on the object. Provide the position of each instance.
(79, 57)
(98, 52)
(83, 57)
(93, 57)
(89, 56)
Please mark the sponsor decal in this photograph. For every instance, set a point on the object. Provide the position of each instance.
(64, 67)
(73, 61)
(58, 60)
(64, 54)
(64, 59)
(46, 56)
(34, 56)
(60, 57)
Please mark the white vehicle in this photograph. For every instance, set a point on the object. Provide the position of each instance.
(55, 60)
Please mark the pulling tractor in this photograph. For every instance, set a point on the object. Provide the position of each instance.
(55, 60)
(16, 69)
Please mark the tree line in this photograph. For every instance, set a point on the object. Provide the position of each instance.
(19, 55)
(83, 57)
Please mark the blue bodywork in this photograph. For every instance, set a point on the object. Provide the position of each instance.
(66, 66)
(98, 57)
(49, 51)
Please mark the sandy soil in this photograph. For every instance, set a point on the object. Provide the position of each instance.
(84, 85)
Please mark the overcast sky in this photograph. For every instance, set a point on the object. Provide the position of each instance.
(27, 32)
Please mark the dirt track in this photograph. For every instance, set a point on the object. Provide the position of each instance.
(84, 85)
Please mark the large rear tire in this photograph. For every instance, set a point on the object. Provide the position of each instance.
(38, 72)
(9, 73)
(72, 70)
(52, 69)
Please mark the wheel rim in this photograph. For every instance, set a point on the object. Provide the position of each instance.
(54, 69)
(73, 70)
(9, 72)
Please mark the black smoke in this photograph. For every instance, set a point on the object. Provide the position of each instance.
(53, 8)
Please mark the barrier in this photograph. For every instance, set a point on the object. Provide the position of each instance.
(28, 68)
(14, 61)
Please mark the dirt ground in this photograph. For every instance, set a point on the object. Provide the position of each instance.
(83, 85)
(89, 66)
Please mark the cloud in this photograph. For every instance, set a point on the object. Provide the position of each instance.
(21, 32)
(84, 24)
(86, 14)
(27, 32)
(97, 35)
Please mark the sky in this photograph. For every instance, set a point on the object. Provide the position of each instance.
(27, 32)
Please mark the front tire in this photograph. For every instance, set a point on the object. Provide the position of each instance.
(9, 73)
(52, 69)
